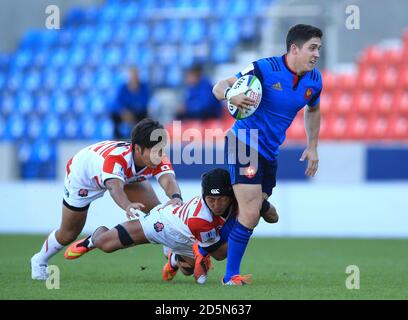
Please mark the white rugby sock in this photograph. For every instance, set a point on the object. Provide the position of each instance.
(173, 261)
(50, 247)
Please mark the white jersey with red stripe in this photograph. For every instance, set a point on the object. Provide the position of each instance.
(95, 164)
(177, 227)
(88, 170)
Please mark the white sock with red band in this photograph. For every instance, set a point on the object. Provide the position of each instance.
(50, 247)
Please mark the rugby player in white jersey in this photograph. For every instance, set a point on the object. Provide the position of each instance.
(201, 223)
(120, 167)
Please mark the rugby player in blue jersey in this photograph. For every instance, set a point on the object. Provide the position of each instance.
(289, 82)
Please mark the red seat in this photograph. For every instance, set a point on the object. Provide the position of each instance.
(346, 82)
(358, 126)
(367, 77)
(399, 127)
(393, 56)
(388, 76)
(401, 102)
(383, 102)
(371, 56)
(344, 102)
(402, 78)
(326, 101)
(379, 127)
(363, 101)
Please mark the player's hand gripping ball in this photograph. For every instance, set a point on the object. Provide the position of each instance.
(252, 88)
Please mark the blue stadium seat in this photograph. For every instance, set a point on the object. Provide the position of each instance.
(95, 55)
(31, 39)
(85, 79)
(77, 55)
(195, 31)
(68, 79)
(228, 29)
(221, 53)
(7, 104)
(78, 104)
(59, 103)
(121, 34)
(32, 80)
(167, 55)
(15, 80)
(104, 129)
(174, 76)
(160, 30)
(41, 57)
(23, 58)
(70, 128)
(59, 58)
(84, 35)
(24, 103)
(139, 33)
(174, 31)
(111, 12)
(113, 56)
(52, 127)
(186, 55)
(49, 38)
(42, 104)
(96, 104)
(103, 79)
(15, 126)
(103, 34)
(130, 11)
(87, 127)
(33, 127)
(50, 79)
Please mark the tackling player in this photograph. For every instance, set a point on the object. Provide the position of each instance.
(289, 82)
(203, 221)
(117, 166)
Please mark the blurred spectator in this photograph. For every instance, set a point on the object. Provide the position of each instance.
(199, 101)
(130, 105)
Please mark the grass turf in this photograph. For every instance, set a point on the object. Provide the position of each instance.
(282, 268)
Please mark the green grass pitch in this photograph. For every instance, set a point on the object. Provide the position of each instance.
(282, 268)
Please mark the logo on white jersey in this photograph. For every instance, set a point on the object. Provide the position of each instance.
(215, 191)
(208, 236)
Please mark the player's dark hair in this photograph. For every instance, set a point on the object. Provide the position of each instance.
(301, 33)
(142, 134)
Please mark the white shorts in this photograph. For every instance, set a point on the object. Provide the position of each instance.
(78, 197)
(160, 229)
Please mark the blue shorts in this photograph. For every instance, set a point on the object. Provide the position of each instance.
(247, 166)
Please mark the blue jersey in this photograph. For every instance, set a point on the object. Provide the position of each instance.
(284, 93)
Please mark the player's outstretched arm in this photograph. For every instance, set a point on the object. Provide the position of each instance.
(169, 184)
(312, 127)
(116, 190)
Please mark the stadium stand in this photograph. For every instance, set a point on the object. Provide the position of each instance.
(58, 84)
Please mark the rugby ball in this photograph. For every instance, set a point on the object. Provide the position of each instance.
(252, 88)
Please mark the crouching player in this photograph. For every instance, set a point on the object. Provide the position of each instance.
(196, 224)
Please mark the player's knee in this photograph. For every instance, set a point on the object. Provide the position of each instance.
(269, 213)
